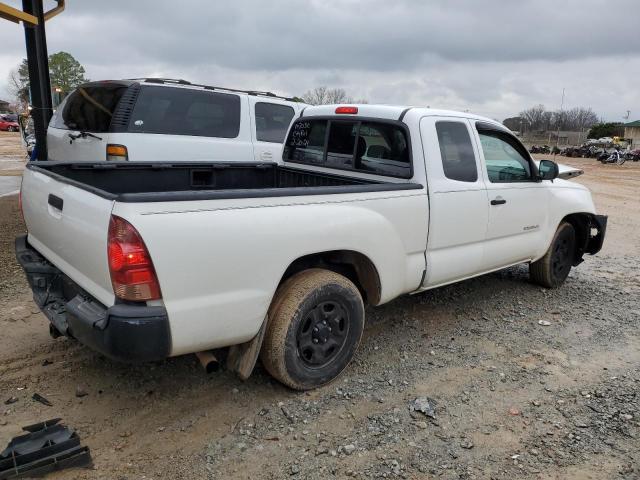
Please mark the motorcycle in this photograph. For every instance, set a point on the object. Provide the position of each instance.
(633, 155)
(614, 157)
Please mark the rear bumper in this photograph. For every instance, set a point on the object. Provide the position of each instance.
(129, 333)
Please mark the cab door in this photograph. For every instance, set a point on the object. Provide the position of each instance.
(518, 202)
(458, 200)
(270, 122)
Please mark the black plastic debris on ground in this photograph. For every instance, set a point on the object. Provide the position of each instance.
(39, 398)
(47, 447)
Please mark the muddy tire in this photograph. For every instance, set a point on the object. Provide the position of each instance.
(315, 324)
(552, 270)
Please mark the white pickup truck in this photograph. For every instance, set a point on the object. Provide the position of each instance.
(142, 261)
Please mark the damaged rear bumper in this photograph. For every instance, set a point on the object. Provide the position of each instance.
(124, 332)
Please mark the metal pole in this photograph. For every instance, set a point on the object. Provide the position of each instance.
(40, 84)
(558, 131)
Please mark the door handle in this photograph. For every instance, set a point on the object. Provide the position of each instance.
(55, 202)
(498, 201)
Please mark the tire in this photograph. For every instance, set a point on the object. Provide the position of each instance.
(552, 270)
(12, 129)
(310, 309)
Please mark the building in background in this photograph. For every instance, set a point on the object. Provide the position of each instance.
(5, 107)
(632, 132)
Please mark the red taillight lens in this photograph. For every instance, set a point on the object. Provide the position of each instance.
(347, 110)
(132, 274)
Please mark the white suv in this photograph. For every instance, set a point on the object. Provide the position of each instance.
(168, 120)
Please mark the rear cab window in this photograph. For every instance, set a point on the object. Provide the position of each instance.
(369, 146)
(89, 108)
(272, 121)
(182, 111)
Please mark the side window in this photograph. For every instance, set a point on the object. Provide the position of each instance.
(503, 158)
(183, 111)
(88, 108)
(456, 150)
(380, 148)
(272, 121)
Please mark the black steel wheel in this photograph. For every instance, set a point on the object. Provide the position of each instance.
(323, 333)
(553, 268)
(315, 323)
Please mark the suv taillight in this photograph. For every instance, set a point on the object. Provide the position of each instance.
(132, 274)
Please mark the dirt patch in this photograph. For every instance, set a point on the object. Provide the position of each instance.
(513, 399)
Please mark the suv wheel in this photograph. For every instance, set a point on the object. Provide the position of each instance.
(315, 324)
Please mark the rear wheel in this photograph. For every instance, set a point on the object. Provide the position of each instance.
(13, 129)
(552, 270)
(315, 324)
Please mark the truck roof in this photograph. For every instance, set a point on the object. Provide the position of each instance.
(391, 112)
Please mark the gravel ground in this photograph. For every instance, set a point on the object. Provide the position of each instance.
(504, 395)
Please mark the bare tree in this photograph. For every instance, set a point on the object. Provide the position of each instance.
(534, 117)
(585, 118)
(576, 119)
(328, 96)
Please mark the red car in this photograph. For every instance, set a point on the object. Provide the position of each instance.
(9, 123)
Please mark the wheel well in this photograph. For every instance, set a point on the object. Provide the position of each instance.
(353, 265)
(582, 223)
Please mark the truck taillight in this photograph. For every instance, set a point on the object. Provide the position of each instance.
(132, 274)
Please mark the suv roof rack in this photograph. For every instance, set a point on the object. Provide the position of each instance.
(178, 81)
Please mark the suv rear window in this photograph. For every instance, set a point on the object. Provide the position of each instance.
(272, 121)
(377, 147)
(88, 108)
(181, 111)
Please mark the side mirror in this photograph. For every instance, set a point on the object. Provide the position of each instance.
(548, 170)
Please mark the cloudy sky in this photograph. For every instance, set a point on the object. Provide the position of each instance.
(492, 57)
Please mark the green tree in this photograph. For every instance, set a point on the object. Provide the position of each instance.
(65, 71)
(609, 129)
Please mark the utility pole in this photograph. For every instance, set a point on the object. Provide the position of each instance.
(558, 132)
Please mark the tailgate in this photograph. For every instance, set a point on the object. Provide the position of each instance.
(68, 226)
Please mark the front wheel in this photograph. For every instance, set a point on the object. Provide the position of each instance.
(315, 323)
(553, 269)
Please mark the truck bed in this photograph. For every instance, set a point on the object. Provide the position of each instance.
(161, 182)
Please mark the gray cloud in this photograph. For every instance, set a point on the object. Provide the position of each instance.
(493, 57)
